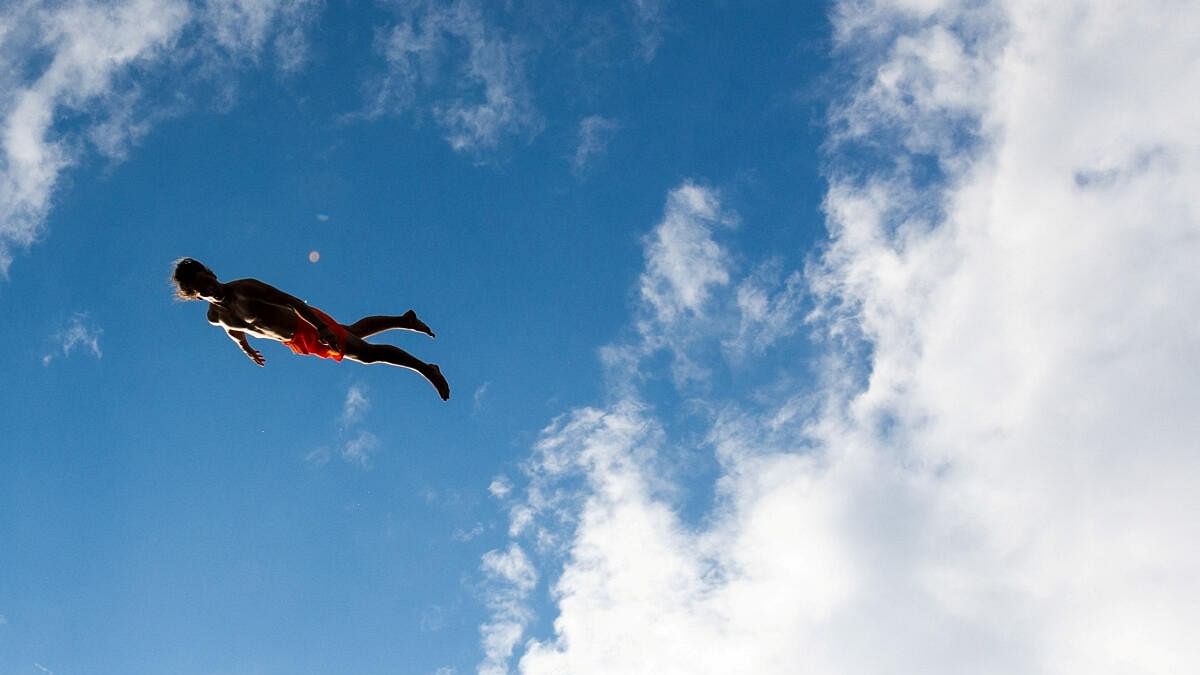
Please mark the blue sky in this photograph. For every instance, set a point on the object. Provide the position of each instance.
(159, 511)
(775, 334)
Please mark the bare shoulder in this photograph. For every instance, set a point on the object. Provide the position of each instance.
(249, 285)
(253, 289)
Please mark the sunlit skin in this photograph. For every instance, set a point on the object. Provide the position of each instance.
(249, 307)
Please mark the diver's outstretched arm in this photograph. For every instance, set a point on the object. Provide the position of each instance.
(240, 338)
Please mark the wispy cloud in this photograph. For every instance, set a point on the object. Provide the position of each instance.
(480, 396)
(500, 487)
(464, 535)
(488, 96)
(84, 59)
(318, 457)
(993, 469)
(595, 133)
(79, 333)
(245, 29)
(511, 578)
(88, 46)
(433, 619)
(355, 405)
(683, 262)
(355, 446)
(649, 21)
(685, 295)
(360, 449)
(768, 302)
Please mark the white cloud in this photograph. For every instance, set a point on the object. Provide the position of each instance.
(489, 99)
(85, 58)
(87, 46)
(595, 133)
(511, 577)
(685, 300)
(500, 487)
(355, 405)
(79, 333)
(995, 469)
(683, 263)
(768, 303)
(463, 536)
(649, 18)
(244, 29)
(240, 24)
(318, 457)
(355, 446)
(477, 400)
(360, 449)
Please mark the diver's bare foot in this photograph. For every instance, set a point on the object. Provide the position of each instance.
(416, 324)
(434, 375)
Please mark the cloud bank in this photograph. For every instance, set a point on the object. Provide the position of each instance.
(993, 470)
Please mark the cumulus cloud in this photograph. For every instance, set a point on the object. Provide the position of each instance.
(479, 99)
(85, 59)
(79, 333)
(994, 470)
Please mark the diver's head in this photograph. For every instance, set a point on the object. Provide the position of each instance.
(194, 281)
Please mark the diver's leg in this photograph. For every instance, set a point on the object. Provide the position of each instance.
(371, 325)
(357, 349)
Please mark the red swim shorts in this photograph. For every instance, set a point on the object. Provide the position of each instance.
(305, 341)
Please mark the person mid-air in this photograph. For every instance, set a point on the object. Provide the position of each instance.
(251, 307)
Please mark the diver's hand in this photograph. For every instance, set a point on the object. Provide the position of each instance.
(255, 356)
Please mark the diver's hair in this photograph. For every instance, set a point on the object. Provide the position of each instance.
(184, 277)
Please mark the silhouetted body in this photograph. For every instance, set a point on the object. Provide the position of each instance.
(251, 307)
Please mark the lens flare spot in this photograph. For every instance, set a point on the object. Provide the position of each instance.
(314, 256)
